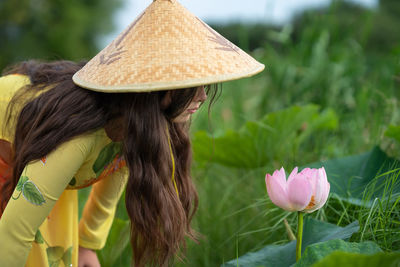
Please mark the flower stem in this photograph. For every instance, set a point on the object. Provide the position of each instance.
(299, 235)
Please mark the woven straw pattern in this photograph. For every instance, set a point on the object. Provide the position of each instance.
(165, 47)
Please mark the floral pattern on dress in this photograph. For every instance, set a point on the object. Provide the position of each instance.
(43, 160)
(107, 162)
(55, 254)
(29, 191)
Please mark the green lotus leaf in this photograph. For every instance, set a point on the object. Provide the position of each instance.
(106, 156)
(258, 143)
(285, 255)
(39, 238)
(319, 251)
(347, 259)
(32, 193)
(350, 176)
(21, 182)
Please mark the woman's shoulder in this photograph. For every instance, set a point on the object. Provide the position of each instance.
(91, 140)
(103, 157)
(9, 84)
(15, 78)
(93, 143)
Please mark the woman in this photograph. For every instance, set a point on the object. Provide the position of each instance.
(69, 126)
(143, 122)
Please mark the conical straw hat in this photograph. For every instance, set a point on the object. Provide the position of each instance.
(166, 47)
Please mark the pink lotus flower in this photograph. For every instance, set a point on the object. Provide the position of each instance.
(305, 191)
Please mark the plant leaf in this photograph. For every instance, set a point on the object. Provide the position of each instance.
(393, 132)
(318, 231)
(346, 259)
(318, 251)
(32, 193)
(285, 255)
(258, 143)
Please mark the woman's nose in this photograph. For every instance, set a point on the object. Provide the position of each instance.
(201, 94)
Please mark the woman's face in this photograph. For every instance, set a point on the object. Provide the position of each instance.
(198, 99)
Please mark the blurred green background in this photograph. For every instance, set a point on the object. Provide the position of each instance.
(338, 67)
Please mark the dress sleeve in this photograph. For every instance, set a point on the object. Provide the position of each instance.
(40, 185)
(99, 210)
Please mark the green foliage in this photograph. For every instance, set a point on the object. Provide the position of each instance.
(375, 30)
(392, 143)
(285, 255)
(116, 245)
(319, 251)
(393, 132)
(326, 59)
(346, 259)
(260, 142)
(47, 29)
(378, 211)
(369, 180)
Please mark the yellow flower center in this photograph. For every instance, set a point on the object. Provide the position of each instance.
(311, 204)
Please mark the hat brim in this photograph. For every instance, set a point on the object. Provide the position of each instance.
(160, 86)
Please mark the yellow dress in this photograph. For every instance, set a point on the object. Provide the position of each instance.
(39, 226)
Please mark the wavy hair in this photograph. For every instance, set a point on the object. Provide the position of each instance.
(160, 218)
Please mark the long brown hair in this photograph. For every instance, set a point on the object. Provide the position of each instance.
(160, 218)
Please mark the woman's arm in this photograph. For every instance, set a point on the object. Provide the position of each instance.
(99, 210)
(41, 184)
